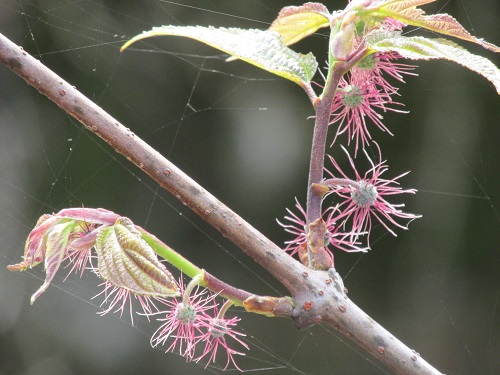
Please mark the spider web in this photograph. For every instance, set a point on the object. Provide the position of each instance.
(245, 137)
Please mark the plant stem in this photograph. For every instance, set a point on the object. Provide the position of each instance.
(316, 165)
(170, 255)
(235, 295)
(317, 162)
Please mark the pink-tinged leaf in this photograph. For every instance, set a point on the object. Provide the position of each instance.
(264, 49)
(297, 22)
(34, 249)
(90, 215)
(57, 240)
(406, 11)
(128, 262)
(420, 48)
(400, 5)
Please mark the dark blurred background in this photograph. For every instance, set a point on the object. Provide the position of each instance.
(244, 135)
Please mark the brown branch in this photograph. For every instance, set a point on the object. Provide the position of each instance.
(319, 295)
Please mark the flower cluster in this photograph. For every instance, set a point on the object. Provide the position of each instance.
(359, 200)
(334, 237)
(363, 94)
(194, 321)
(364, 197)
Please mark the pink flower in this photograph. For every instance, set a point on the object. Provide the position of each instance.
(364, 93)
(373, 68)
(186, 321)
(364, 197)
(220, 329)
(333, 237)
(359, 98)
(297, 228)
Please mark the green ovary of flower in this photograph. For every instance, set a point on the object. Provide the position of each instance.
(353, 96)
(186, 313)
(365, 195)
(368, 63)
(218, 327)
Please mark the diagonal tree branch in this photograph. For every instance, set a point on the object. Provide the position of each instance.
(319, 295)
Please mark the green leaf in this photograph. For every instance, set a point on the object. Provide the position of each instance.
(264, 49)
(297, 22)
(407, 12)
(420, 48)
(125, 260)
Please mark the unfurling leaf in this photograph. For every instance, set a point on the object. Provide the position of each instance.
(297, 22)
(47, 243)
(51, 240)
(56, 242)
(125, 260)
(34, 249)
(406, 11)
(420, 48)
(264, 49)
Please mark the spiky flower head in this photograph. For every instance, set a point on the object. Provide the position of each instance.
(334, 236)
(359, 98)
(364, 198)
(185, 319)
(364, 94)
(220, 330)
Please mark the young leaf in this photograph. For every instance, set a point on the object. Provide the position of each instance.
(264, 49)
(35, 247)
(407, 12)
(400, 5)
(127, 261)
(420, 48)
(297, 22)
(55, 251)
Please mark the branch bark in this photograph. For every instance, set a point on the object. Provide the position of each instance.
(319, 295)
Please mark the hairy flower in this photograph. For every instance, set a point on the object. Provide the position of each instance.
(364, 93)
(119, 298)
(186, 320)
(364, 197)
(357, 99)
(374, 66)
(333, 236)
(219, 330)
